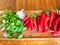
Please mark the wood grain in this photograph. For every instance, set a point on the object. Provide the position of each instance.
(28, 4)
(31, 41)
(8, 4)
(58, 4)
(36, 4)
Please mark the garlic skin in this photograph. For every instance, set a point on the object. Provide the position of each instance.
(5, 34)
(21, 14)
(3, 29)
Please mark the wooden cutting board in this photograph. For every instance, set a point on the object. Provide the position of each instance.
(31, 41)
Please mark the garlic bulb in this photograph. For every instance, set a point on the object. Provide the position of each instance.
(21, 14)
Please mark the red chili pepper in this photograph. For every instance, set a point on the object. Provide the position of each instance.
(25, 18)
(37, 22)
(42, 18)
(56, 23)
(40, 21)
(46, 24)
(58, 29)
(52, 16)
(26, 22)
(56, 26)
(29, 25)
(56, 33)
(35, 25)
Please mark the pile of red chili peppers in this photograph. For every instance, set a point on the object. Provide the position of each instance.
(44, 22)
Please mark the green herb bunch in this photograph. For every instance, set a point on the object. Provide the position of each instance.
(12, 23)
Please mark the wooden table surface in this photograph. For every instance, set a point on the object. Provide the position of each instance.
(30, 41)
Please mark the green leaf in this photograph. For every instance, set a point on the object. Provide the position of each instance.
(4, 16)
(14, 18)
(46, 10)
(8, 28)
(19, 36)
(19, 30)
(34, 15)
(12, 24)
(9, 35)
(7, 21)
(22, 30)
(15, 30)
(14, 27)
(1, 19)
(2, 25)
